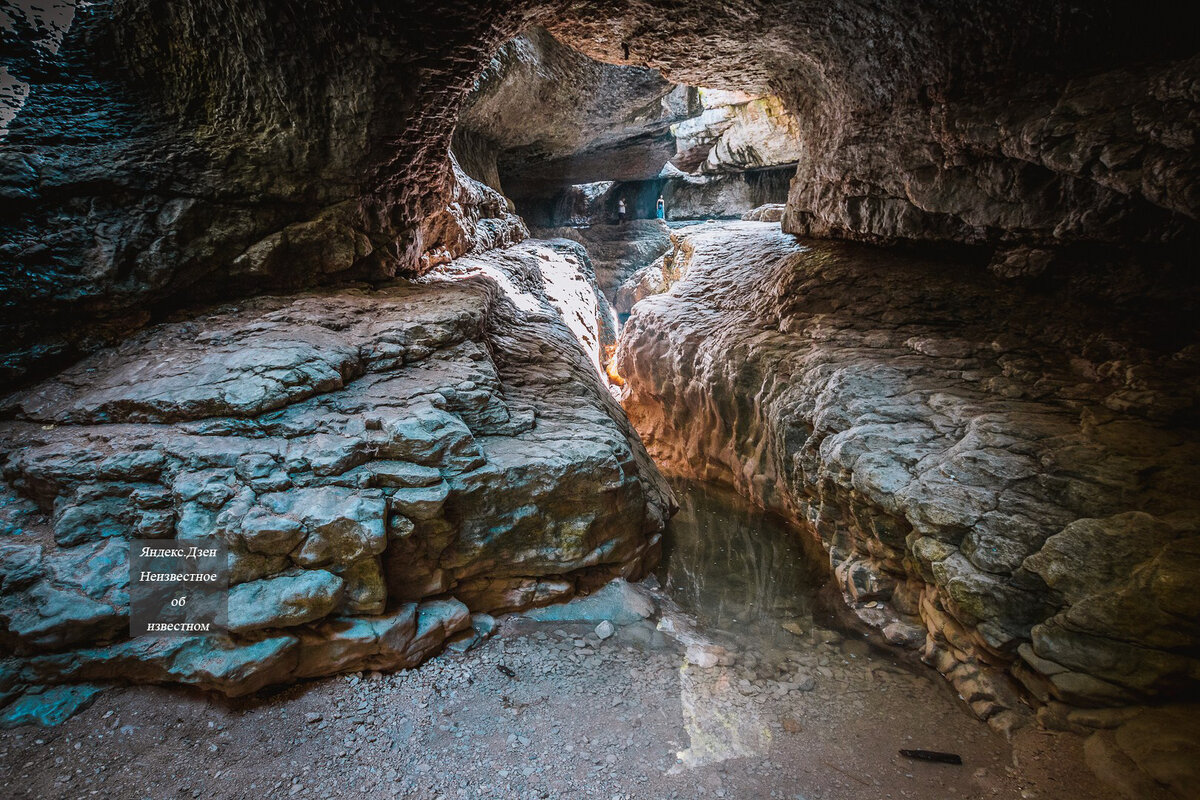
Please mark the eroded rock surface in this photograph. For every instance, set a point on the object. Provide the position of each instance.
(557, 117)
(617, 251)
(736, 132)
(998, 479)
(157, 153)
(1026, 123)
(140, 171)
(380, 463)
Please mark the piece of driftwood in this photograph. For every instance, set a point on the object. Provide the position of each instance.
(932, 755)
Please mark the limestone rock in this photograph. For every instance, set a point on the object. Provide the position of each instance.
(214, 662)
(284, 600)
(221, 198)
(1165, 744)
(560, 117)
(702, 657)
(49, 707)
(771, 212)
(339, 525)
(360, 452)
(724, 195)
(482, 628)
(619, 603)
(941, 443)
(401, 638)
(242, 164)
(617, 251)
(736, 132)
(58, 598)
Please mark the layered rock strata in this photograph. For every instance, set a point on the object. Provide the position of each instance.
(617, 251)
(156, 152)
(726, 195)
(998, 479)
(381, 464)
(556, 117)
(734, 133)
(685, 197)
(164, 154)
(1019, 124)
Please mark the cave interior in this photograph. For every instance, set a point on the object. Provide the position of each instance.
(726, 344)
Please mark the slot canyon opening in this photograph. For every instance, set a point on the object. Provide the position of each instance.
(878, 436)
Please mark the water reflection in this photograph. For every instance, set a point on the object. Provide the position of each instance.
(749, 581)
(747, 577)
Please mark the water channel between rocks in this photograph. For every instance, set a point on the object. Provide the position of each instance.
(747, 577)
(747, 582)
(550, 709)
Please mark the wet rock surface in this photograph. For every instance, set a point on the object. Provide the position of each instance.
(999, 463)
(990, 481)
(379, 462)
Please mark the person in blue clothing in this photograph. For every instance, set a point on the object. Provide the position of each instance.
(662, 208)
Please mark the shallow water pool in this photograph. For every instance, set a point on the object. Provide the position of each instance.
(748, 578)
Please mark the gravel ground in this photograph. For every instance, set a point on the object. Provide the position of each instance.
(578, 717)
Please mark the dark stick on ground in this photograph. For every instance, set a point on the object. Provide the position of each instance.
(932, 755)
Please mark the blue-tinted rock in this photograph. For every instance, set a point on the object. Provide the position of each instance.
(284, 601)
(51, 706)
(618, 602)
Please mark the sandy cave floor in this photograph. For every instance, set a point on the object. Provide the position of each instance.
(582, 717)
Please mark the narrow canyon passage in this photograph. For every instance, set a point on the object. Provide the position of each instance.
(643, 400)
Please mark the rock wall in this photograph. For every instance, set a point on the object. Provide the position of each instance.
(726, 195)
(1102, 158)
(686, 197)
(736, 132)
(559, 118)
(172, 152)
(169, 153)
(1003, 471)
(475, 219)
(381, 463)
(617, 251)
(1022, 123)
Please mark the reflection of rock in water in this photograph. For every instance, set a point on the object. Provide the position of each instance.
(721, 721)
(740, 571)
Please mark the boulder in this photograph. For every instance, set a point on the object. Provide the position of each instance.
(369, 456)
(49, 707)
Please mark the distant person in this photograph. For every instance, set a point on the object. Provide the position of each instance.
(661, 211)
(621, 211)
